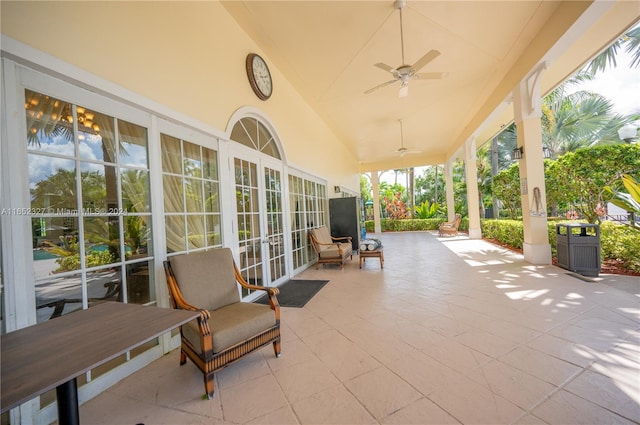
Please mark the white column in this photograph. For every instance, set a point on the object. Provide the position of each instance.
(471, 175)
(375, 184)
(527, 104)
(448, 183)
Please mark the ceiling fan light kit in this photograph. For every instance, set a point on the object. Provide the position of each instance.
(405, 72)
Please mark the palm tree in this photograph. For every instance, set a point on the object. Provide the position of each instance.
(630, 41)
(579, 119)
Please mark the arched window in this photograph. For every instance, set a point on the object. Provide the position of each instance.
(252, 133)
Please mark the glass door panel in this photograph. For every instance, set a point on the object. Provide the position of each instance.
(249, 229)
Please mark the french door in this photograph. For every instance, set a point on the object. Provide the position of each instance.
(260, 236)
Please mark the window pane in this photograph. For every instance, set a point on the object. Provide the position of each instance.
(175, 231)
(195, 231)
(213, 230)
(210, 164)
(96, 139)
(137, 236)
(135, 191)
(192, 160)
(133, 144)
(104, 285)
(49, 124)
(173, 198)
(52, 182)
(58, 295)
(99, 188)
(211, 198)
(193, 195)
(55, 246)
(139, 283)
(171, 157)
(102, 240)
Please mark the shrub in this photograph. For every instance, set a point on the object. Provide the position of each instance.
(617, 242)
(510, 232)
(389, 225)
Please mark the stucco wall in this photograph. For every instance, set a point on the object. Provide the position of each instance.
(189, 56)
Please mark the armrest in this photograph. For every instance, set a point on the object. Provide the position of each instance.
(341, 238)
(271, 292)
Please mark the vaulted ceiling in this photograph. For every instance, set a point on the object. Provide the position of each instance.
(328, 49)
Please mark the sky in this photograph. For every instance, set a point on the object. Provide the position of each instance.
(621, 85)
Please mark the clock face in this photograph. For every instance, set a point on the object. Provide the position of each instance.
(259, 76)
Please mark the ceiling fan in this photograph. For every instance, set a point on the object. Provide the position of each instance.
(405, 72)
(402, 150)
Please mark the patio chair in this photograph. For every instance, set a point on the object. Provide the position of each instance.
(329, 249)
(227, 328)
(450, 228)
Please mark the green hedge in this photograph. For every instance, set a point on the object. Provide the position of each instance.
(617, 242)
(388, 225)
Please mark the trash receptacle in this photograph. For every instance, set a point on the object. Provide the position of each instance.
(578, 247)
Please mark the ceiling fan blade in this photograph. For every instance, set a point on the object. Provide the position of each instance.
(380, 86)
(431, 55)
(430, 75)
(386, 67)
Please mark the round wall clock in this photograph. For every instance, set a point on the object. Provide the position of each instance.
(259, 76)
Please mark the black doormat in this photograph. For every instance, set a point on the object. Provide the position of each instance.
(295, 293)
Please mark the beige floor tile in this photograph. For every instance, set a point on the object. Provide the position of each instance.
(472, 403)
(341, 356)
(305, 379)
(520, 388)
(251, 399)
(382, 392)
(456, 355)
(541, 365)
(332, 406)
(565, 350)
(566, 408)
(622, 398)
(420, 412)
(486, 343)
(282, 416)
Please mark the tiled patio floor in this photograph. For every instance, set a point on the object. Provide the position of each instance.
(450, 331)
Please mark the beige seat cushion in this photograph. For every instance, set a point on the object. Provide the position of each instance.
(233, 324)
(331, 249)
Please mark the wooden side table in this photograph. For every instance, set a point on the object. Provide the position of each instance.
(372, 254)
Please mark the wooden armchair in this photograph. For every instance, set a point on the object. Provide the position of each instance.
(450, 227)
(227, 328)
(329, 249)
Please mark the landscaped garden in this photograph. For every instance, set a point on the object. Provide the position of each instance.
(590, 168)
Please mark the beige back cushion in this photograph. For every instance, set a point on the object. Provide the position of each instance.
(323, 235)
(207, 279)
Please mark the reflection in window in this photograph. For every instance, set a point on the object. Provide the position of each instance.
(191, 195)
(89, 185)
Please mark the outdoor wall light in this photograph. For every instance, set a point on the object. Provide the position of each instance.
(628, 132)
(517, 153)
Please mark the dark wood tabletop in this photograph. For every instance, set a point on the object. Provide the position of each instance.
(39, 358)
